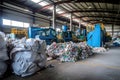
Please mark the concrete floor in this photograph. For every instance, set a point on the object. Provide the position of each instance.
(103, 66)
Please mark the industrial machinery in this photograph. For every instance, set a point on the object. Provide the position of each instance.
(66, 36)
(47, 34)
(81, 34)
(98, 36)
(19, 33)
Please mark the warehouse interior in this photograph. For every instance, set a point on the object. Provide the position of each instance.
(33, 42)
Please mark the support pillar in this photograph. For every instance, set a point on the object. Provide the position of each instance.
(54, 16)
(50, 24)
(70, 21)
(112, 29)
(33, 18)
(80, 26)
(1, 14)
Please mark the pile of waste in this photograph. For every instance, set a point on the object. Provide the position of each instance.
(99, 49)
(55, 49)
(69, 51)
(116, 42)
(3, 54)
(27, 55)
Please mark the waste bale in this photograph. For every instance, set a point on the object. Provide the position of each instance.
(3, 68)
(3, 54)
(24, 63)
(3, 49)
(28, 56)
(38, 46)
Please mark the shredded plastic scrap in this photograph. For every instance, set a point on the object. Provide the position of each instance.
(69, 51)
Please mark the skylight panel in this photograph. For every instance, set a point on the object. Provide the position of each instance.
(36, 1)
(44, 3)
(59, 12)
(51, 8)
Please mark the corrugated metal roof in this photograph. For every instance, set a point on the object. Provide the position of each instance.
(90, 11)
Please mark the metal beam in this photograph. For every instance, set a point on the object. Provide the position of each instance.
(114, 31)
(102, 20)
(92, 10)
(78, 1)
(106, 22)
(112, 17)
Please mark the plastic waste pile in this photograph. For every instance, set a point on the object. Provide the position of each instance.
(85, 50)
(27, 55)
(99, 49)
(55, 49)
(69, 51)
(3, 54)
(116, 42)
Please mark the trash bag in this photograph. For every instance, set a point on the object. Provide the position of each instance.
(28, 56)
(3, 49)
(3, 68)
(3, 55)
(24, 63)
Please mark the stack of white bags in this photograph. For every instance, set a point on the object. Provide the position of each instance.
(28, 56)
(3, 54)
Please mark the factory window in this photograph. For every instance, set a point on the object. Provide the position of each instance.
(26, 25)
(6, 22)
(15, 23)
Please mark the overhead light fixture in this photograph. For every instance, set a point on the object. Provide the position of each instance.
(44, 3)
(51, 8)
(89, 7)
(26, 10)
(60, 12)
